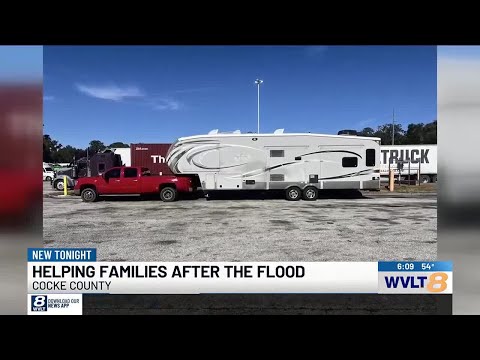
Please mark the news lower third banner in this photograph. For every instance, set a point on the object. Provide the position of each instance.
(57, 278)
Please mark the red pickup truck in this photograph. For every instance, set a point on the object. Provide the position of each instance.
(132, 181)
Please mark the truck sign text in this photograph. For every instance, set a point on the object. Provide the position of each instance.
(415, 156)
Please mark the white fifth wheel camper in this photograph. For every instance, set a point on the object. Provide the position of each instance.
(301, 164)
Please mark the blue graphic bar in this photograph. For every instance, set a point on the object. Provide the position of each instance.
(62, 254)
(427, 266)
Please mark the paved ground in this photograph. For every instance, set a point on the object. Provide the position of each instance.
(369, 228)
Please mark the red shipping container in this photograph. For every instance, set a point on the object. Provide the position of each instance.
(152, 156)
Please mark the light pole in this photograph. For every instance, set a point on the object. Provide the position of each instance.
(258, 82)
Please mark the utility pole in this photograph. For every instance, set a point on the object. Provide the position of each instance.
(258, 82)
(88, 164)
(393, 127)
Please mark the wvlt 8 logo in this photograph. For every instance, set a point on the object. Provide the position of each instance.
(39, 303)
(431, 283)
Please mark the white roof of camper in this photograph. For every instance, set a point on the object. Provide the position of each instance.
(278, 132)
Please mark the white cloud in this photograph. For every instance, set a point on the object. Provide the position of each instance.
(165, 104)
(119, 93)
(48, 98)
(110, 92)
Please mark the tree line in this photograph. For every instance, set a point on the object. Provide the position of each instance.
(55, 152)
(414, 135)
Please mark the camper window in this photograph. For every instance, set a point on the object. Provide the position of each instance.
(349, 162)
(277, 177)
(130, 172)
(370, 158)
(101, 167)
(277, 153)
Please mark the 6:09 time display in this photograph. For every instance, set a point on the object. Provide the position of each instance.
(405, 266)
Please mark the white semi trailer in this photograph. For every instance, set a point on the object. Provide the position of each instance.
(417, 158)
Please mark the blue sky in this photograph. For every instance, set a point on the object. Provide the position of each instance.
(21, 63)
(159, 93)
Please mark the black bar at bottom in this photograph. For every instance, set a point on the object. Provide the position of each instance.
(268, 304)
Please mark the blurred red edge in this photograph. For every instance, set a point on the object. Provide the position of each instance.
(21, 134)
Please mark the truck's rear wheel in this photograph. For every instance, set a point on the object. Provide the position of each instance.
(293, 193)
(168, 194)
(48, 178)
(59, 185)
(310, 193)
(424, 179)
(89, 195)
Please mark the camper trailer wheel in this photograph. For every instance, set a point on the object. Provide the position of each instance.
(310, 193)
(424, 179)
(168, 194)
(89, 195)
(434, 178)
(48, 178)
(294, 193)
(59, 185)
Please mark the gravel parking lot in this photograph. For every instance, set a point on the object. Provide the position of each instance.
(367, 228)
